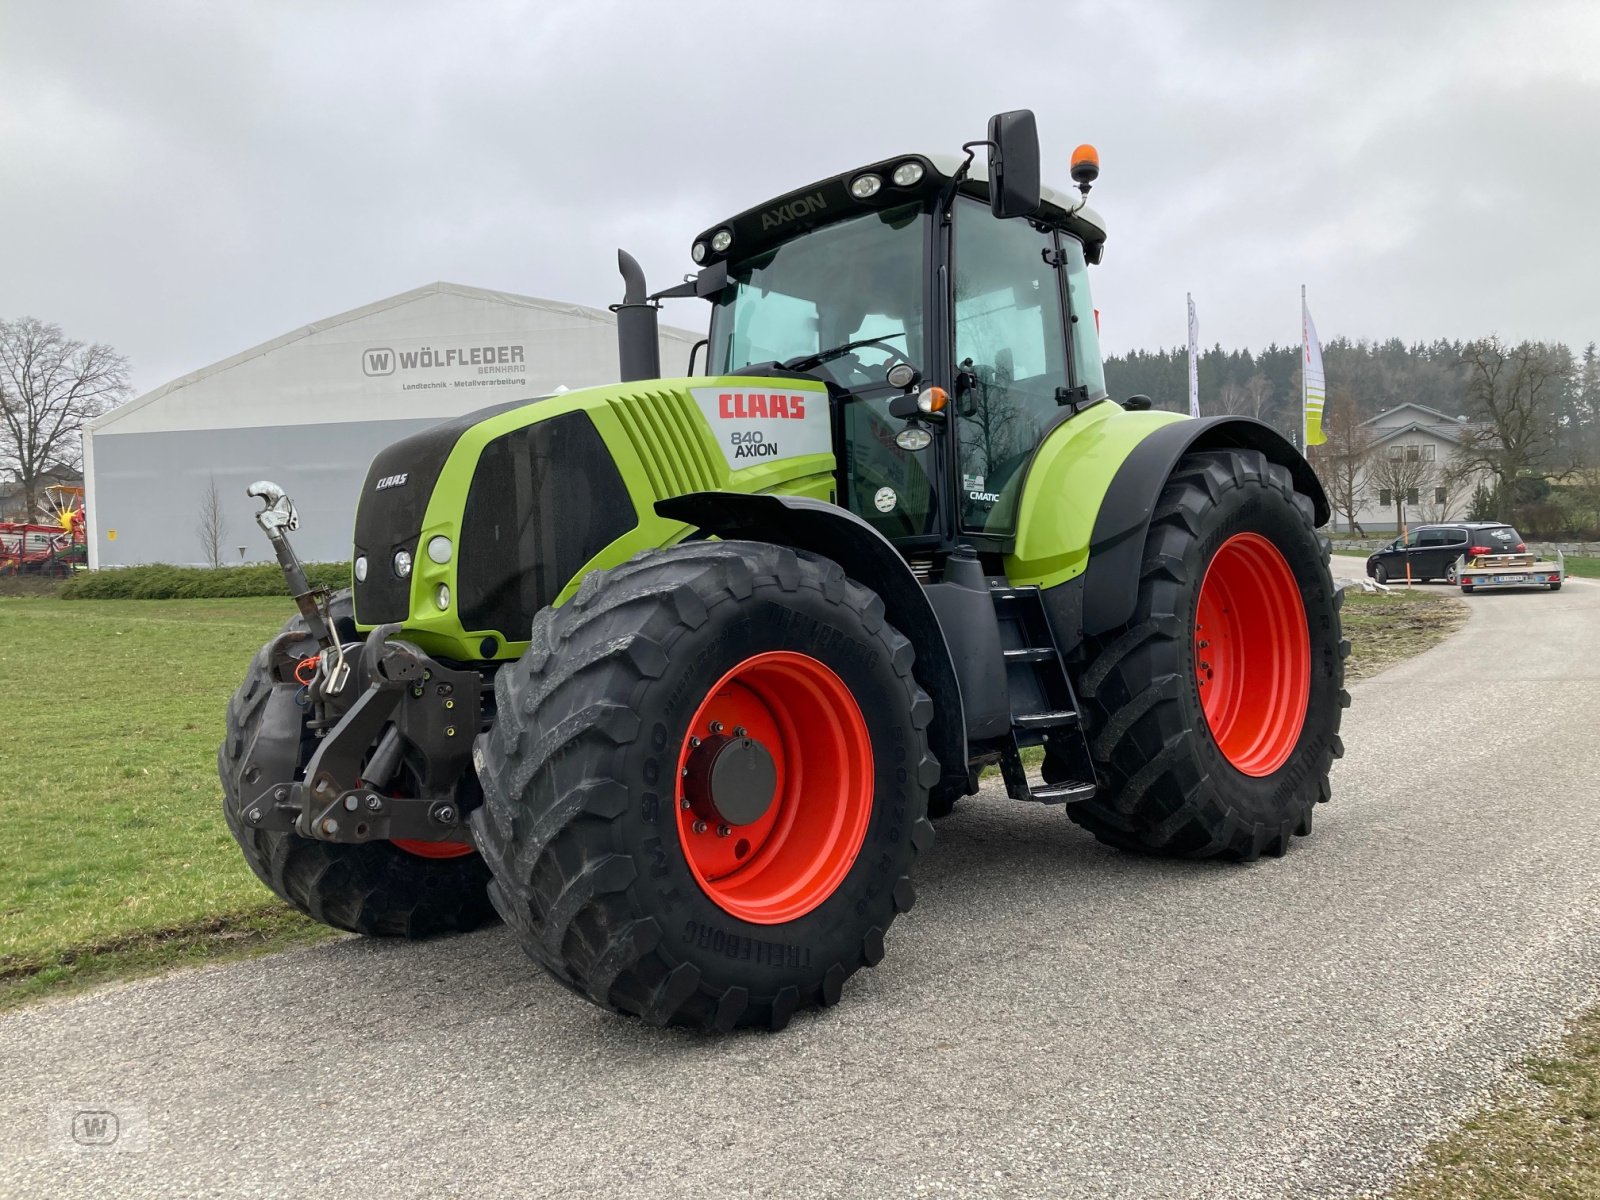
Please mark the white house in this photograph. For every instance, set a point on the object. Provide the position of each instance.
(1416, 467)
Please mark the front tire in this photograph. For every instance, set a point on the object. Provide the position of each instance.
(623, 864)
(1380, 574)
(1213, 716)
(372, 888)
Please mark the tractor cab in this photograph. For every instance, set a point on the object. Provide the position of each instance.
(950, 319)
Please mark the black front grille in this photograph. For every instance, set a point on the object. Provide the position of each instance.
(545, 500)
(389, 518)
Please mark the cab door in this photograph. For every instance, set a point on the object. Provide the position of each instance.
(1011, 359)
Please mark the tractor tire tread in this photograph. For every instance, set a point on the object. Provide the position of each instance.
(557, 881)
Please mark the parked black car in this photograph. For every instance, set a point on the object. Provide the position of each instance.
(1432, 550)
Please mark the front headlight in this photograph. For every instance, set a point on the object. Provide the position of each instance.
(442, 597)
(402, 564)
(361, 568)
(439, 549)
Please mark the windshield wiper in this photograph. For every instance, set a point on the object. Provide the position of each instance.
(806, 361)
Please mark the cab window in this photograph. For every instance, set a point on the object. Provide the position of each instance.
(1010, 345)
(1087, 370)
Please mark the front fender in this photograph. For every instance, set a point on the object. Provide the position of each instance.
(867, 557)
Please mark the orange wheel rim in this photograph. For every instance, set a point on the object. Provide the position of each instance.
(1252, 654)
(781, 723)
(434, 849)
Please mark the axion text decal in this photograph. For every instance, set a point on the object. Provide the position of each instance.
(755, 427)
(804, 206)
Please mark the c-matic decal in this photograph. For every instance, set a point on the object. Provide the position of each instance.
(755, 427)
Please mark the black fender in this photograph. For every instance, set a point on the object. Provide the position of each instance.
(1116, 548)
(871, 560)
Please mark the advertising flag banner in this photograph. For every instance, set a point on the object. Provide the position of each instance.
(1314, 386)
(1194, 362)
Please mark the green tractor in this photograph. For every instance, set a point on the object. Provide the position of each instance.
(673, 674)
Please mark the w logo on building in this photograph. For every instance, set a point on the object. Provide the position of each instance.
(378, 362)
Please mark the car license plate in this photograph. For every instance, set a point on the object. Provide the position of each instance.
(1510, 578)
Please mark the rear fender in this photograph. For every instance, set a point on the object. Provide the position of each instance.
(871, 560)
(1084, 548)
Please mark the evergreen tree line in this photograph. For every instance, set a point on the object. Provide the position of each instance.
(1533, 409)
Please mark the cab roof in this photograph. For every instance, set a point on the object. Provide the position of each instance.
(829, 200)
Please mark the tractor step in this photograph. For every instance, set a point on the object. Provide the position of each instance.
(1045, 720)
(1030, 654)
(1044, 711)
(1062, 793)
(1019, 786)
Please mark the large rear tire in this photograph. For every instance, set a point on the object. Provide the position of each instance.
(375, 888)
(630, 867)
(1213, 716)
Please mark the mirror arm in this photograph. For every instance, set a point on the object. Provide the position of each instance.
(948, 196)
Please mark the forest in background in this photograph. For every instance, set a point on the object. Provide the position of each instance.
(1533, 413)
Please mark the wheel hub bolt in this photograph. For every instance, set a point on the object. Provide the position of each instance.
(724, 830)
(699, 826)
(684, 803)
(716, 727)
(694, 741)
(739, 731)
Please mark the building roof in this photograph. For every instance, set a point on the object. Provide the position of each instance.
(1422, 409)
(1454, 433)
(510, 299)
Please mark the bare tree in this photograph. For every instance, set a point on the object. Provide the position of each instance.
(50, 388)
(1344, 460)
(1405, 476)
(1514, 395)
(212, 525)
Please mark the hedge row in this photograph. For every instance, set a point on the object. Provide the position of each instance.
(160, 581)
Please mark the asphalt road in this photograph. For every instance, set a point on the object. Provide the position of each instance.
(1053, 1019)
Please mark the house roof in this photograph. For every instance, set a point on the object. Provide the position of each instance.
(1426, 412)
(1452, 434)
(581, 311)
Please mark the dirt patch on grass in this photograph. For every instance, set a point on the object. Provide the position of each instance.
(1387, 629)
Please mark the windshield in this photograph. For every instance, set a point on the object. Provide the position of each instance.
(857, 279)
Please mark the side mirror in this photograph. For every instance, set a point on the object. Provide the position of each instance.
(1013, 164)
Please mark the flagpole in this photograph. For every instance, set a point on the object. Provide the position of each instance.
(1305, 427)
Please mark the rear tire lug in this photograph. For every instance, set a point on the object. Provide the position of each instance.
(724, 830)
(699, 826)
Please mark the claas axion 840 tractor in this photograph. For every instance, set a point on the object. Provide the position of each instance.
(673, 674)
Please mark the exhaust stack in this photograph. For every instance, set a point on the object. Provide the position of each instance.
(638, 343)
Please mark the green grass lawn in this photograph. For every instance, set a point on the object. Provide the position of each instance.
(1587, 567)
(115, 855)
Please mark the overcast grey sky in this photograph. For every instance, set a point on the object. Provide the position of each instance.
(184, 180)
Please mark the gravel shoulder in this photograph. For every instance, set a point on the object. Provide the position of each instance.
(1054, 1019)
